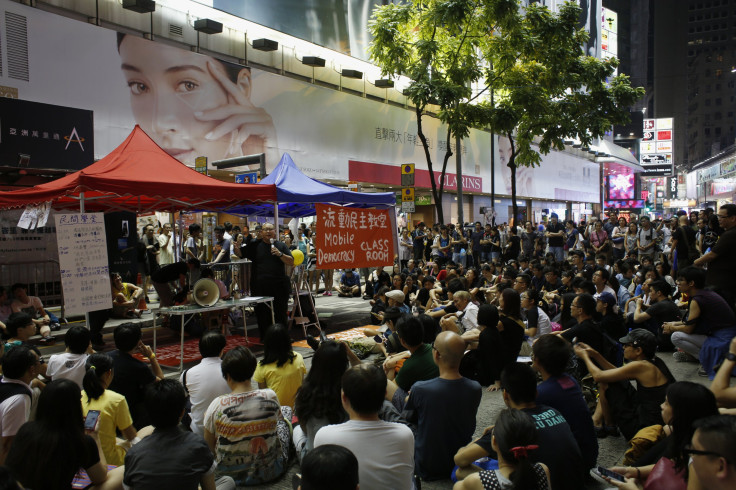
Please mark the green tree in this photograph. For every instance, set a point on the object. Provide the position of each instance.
(436, 44)
(545, 90)
(534, 83)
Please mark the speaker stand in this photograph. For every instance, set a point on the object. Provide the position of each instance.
(297, 315)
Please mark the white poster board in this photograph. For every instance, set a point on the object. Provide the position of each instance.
(85, 273)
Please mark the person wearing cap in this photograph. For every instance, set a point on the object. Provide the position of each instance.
(396, 298)
(349, 284)
(619, 403)
(611, 322)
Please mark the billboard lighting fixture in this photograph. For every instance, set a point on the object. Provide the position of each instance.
(351, 73)
(140, 6)
(384, 83)
(23, 159)
(264, 44)
(314, 61)
(208, 26)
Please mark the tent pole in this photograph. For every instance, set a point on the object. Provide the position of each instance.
(81, 211)
(173, 232)
(276, 219)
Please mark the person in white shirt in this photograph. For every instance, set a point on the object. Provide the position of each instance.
(385, 450)
(166, 243)
(71, 363)
(20, 367)
(466, 317)
(204, 382)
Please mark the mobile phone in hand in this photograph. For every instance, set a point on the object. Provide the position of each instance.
(90, 421)
(611, 474)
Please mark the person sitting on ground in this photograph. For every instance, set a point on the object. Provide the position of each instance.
(685, 403)
(20, 368)
(423, 300)
(395, 298)
(20, 329)
(385, 450)
(537, 321)
(557, 446)
(550, 358)
(71, 363)
(185, 462)
(349, 284)
(661, 310)
(483, 362)
(619, 403)
(713, 452)
(329, 466)
(208, 273)
(247, 430)
(725, 394)
(709, 318)
(582, 308)
(514, 440)
(114, 413)
(510, 327)
(132, 375)
(173, 273)
(32, 306)
(443, 410)
(50, 450)
(125, 298)
(612, 323)
(466, 317)
(281, 369)
(203, 382)
(378, 305)
(417, 363)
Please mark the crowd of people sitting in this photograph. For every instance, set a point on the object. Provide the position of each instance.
(573, 343)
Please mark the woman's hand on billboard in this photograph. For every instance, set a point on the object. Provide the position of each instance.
(239, 117)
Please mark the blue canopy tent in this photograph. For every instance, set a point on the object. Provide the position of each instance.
(297, 194)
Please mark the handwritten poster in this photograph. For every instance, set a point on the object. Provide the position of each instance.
(352, 238)
(85, 273)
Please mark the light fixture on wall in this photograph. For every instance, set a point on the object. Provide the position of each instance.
(313, 61)
(384, 83)
(351, 73)
(24, 159)
(207, 26)
(264, 44)
(140, 6)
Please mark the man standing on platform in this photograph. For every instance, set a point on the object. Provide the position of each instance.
(270, 258)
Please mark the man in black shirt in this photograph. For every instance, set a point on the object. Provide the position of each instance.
(582, 308)
(661, 309)
(418, 237)
(270, 258)
(556, 238)
(178, 271)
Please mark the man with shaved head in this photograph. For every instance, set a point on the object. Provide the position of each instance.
(443, 410)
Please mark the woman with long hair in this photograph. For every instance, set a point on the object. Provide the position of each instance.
(514, 439)
(47, 452)
(565, 318)
(114, 411)
(685, 403)
(510, 328)
(318, 400)
(281, 369)
(537, 320)
(630, 237)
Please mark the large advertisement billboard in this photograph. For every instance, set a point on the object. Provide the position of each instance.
(196, 105)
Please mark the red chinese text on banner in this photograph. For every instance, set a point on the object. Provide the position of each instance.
(353, 238)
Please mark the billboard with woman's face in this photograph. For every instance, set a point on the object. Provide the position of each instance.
(195, 105)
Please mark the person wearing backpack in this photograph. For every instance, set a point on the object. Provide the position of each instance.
(619, 403)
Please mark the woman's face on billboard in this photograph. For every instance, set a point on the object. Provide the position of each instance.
(187, 103)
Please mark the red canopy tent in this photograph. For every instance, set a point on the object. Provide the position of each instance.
(141, 177)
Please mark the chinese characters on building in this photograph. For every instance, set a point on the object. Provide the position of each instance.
(353, 238)
(83, 261)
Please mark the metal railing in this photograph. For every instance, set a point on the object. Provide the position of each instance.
(43, 279)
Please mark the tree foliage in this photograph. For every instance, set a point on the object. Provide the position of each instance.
(533, 82)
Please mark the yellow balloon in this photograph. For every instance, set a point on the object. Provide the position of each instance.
(298, 256)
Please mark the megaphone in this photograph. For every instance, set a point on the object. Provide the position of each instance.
(206, 292)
